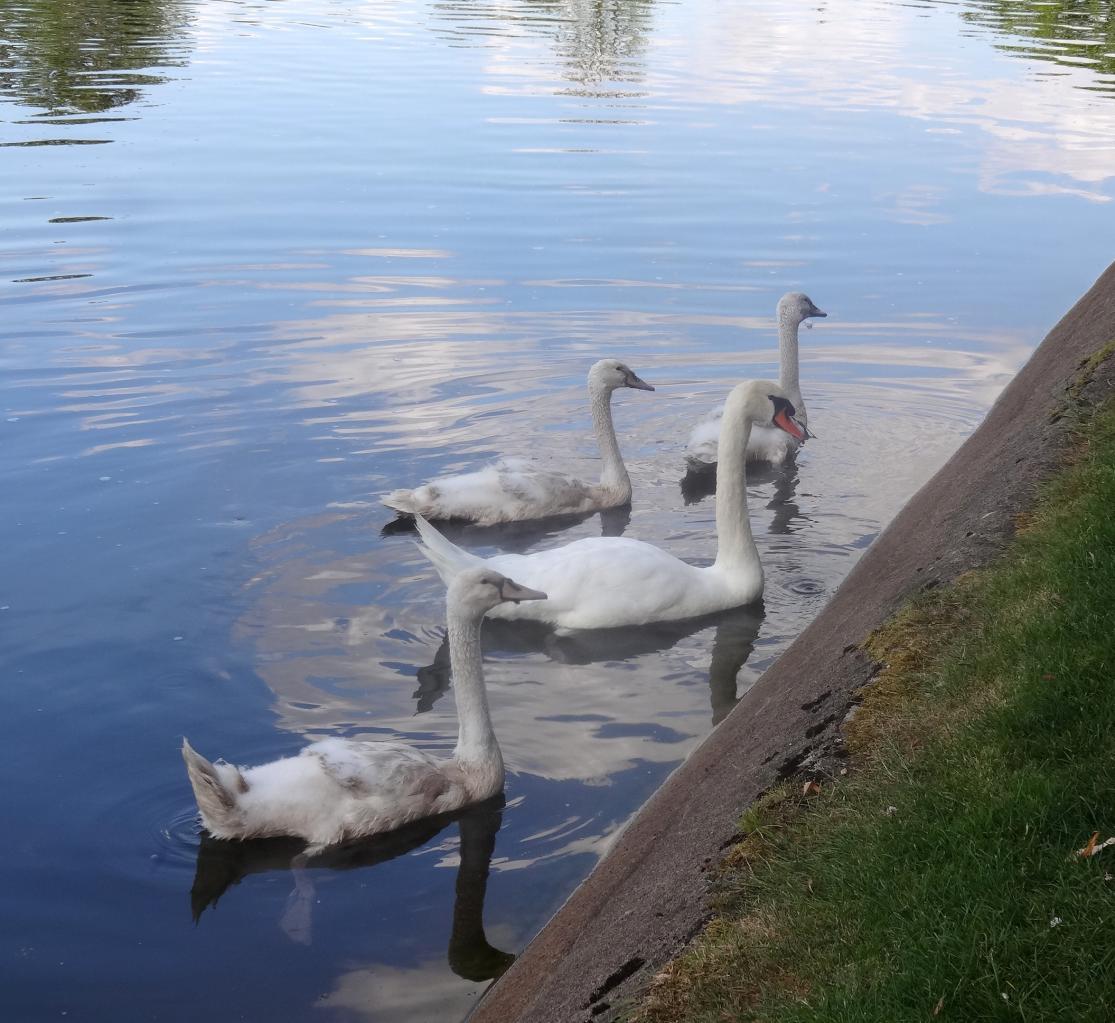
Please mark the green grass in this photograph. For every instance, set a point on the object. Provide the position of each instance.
(938, 881)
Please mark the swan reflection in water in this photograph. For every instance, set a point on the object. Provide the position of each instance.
(697, 484)
(736, 632)
(514, 537)
(223, 863)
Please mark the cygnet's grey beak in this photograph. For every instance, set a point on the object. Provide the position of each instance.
(509, 590)
(638, 383)
(818, 312)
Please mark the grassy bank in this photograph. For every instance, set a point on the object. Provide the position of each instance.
(939, 879)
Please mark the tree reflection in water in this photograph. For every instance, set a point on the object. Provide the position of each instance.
(85, 58)
(596, 41)
(1068, 32)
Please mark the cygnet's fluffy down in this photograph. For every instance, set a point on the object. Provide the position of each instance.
(514, 489)
(341, 789)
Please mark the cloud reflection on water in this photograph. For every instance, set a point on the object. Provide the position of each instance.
(220, 380)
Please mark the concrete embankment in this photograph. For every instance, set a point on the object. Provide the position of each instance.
(647, 896)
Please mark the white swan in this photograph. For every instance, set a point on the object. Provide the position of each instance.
(340, 789)
(607, 581)
(513, 489)
(766, 444)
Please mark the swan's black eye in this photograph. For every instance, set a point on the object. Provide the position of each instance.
(782, 404)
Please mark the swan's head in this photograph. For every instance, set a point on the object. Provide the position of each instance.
(796, 307)
(481, 589)
(765, 403)
(610, 374)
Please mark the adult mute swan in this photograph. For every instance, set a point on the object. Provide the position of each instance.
(512, 489)
(340, 789)
(766, 444)
(609, 581)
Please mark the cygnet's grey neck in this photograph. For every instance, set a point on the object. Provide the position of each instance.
(476, 740)
(788, 323)
(613, 473)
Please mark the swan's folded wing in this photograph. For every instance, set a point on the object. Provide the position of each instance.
(509, 490)
(541, 492)
(705, 438)
(601, 582)
(380, 768)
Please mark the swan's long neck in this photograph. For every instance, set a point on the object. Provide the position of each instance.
(476, 741)
(613, 473)
(788, 326)
(735, 546)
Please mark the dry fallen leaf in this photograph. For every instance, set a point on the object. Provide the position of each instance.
(939, 1006)
(810, 788)
(1093, 847)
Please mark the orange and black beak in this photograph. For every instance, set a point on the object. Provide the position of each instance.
(784, 419)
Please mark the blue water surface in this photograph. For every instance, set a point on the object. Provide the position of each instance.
(262, 262)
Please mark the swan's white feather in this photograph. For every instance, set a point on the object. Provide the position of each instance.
(606, 581)
(509, 490)
(337, 789)
(766, 443)
(603, 582)
(446, 556)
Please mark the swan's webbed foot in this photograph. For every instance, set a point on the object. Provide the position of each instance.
(297, 918)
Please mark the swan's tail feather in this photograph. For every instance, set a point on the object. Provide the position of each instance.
(444, 555)
(216, 795)
(402, 501)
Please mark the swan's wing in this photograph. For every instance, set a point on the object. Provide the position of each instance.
(769, 444)
(386, 768)
(542, 491)
(705, 438)
(506, 491)
(601, 582)
(338, 789)
(766, 443)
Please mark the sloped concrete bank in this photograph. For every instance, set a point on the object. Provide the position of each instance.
(646, 898)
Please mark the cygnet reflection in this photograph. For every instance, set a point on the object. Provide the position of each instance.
(222, 864)
(514, 537)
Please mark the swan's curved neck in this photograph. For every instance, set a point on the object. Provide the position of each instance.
(613, 473)
(788, 326)
(476, 741)
(735, 546)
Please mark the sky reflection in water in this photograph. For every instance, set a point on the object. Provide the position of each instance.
(263, 262)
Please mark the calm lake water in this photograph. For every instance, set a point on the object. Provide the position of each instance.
(265, 261)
